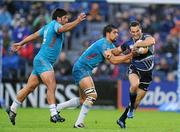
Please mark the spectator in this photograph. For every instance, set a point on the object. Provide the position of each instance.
(20, 31)
(6, 37)
(94, 13)
(63, 66)
(161, 20)
(5, 16)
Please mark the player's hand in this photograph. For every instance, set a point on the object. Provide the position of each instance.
(108, 54)
(136, 45)
(15, 47)
(130, 55)
(81, 17)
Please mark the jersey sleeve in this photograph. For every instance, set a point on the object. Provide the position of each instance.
(41, 31)
(57, 26)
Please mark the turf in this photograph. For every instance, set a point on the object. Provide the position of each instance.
(37, 120)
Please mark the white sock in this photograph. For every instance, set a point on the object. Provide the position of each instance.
(15, 105)
(74, 102)
(84, 110)
(53, 109)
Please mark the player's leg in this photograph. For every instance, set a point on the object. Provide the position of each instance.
(122, 120)
(87, 86)
(49, 80)
(78, 73)
(32, 83)
(74, 102)
(82, 96)
(134, 84)
(140, 95)
(145, 80)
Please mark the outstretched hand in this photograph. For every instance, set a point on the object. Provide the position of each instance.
(16, 47)
(81, 17)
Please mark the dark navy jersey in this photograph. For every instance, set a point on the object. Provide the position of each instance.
(143, 62)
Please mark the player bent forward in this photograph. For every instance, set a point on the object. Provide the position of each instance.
(82, 71)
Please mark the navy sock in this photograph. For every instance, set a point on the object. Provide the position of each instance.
(132, 99)
(124, 115)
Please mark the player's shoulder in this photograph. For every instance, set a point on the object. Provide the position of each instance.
(104, 43)
(99, 42)
(53, 23)
(48, 25)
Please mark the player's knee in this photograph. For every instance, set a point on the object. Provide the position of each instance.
(91, 95)
(134, 87)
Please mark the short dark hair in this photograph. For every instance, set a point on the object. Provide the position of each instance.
(58, 13)
(108, 29)
(134, 24)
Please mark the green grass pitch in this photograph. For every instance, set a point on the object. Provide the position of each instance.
(98, 120)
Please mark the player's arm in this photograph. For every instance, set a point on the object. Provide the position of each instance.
(68, 26)
(16, 46)
(145, 43)
(118, 59)
(117, 51)
(124, 48)
(141, 47)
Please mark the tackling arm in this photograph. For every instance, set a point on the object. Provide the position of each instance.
(116, 51)
(120, 59)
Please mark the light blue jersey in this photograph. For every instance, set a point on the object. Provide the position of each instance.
(52, 41)
(90, 59)
(50, 48)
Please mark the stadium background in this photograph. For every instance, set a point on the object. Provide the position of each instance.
(21, 18)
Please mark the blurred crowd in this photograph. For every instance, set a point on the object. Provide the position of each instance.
(19, 19)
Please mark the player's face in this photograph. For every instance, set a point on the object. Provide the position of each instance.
(135, 32)
(113, 35)
(64, 19)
